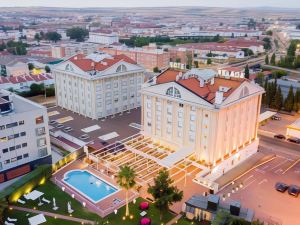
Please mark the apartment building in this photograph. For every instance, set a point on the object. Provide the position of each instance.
(98, 85)
(24, 136)
(197, 112)
(70, 49)
(149, 56)
(103, 37)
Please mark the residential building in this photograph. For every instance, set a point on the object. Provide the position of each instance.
(98, 85)
(197, 112)
(12, 67)
(232, 72)
(103, 37)
(24, 136)
(149, 57)
(69, 49)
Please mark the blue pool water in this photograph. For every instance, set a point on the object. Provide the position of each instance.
(89, 185)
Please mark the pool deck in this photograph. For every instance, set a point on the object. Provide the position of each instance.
(103, 207)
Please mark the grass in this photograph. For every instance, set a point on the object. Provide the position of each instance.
(50, 190)
(22, 218)
(153, 213)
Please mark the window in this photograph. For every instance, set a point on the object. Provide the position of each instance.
(26, 155)
(10, 137)
(19, 157)
(149, 124)
(121, 68)
(10, 125)
(2, 127)
(192, 117)
(23, 134)
(180, 123)
(14, 159)
(3, 139)
(21, 122)
(18, 146)
(192, 127)
(12, 148)
(181, 105)
(174, 92)
(40, 131)
(180, 114)
(43, 152)
(5, 150)
(39, 120)
(24, 145)
(7, 161)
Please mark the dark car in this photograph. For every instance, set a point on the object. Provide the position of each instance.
(281, 187)
(294, 190)
(276, 117)
(279, 136)
(294, 140)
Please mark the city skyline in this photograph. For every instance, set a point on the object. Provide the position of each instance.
(155, 3)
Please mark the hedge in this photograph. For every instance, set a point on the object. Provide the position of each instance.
(27, 183)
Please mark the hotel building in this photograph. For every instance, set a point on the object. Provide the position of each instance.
(197, 112)
(24, 136)
(98, 85)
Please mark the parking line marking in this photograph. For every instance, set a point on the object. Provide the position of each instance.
(279, 164)
(263, 181)
(265, 167)
(248, 177)
(278, 171)
(249, 184)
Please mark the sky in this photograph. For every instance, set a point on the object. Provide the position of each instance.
(151, 3)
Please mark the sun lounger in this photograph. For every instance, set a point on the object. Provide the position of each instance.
(8, 223)
(21, 201)
(45, 200)
(12, 219)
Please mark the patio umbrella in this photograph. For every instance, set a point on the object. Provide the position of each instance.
(54, 203)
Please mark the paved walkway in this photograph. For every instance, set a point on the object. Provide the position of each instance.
(174, 220)
(59, 216)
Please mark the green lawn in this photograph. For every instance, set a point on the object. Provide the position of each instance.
(152, 213)
(23, 219)
(50, 190)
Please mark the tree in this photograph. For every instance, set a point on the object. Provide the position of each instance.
(265, 95)
(260, 78)
(209, 61)
(289, 101)
(269, 32)
(273, 59)
(196, 64)
(267, 44)
(77, 33)
(267, 59)
(37, 37)
(53, 36)
(163, 192)
(47, 69)
(247, 52)
(126, 179)
(30, 66)
(297, 100)
(247, 72)
(278, 102)
(155, 69)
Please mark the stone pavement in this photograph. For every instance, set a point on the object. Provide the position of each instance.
(54, 215)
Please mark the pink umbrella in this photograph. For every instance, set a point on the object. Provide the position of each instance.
(145, 221)
(144, 205)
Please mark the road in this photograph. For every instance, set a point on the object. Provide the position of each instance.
(280, 68)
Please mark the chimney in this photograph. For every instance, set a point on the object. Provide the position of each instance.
(212, 81)
(201, 82)
(219, 98)
(75, 58)
(93, 64)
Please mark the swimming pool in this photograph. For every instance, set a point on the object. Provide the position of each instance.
(89, 185)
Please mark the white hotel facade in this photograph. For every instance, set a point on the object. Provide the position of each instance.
(196, 112)
(24, 136)
(98, 85)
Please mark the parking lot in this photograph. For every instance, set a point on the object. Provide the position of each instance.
(106, 130)
(258, 192)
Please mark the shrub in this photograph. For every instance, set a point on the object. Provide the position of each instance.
(27, 183)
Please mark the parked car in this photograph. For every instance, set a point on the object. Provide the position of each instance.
(68, 129)
(294, 140)
(294, 190)
(84, 137)
(59, 125)
(279, 136)
(281, 187)
(52, 122)
(276, 117)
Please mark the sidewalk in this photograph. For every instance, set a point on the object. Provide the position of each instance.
(54, 215)
(257, 159)
(174, 220)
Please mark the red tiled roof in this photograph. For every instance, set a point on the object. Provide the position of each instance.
(3, 80)
(89, 65)
(192, 84)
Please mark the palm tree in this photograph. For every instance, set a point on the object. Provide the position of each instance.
(126, 180)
